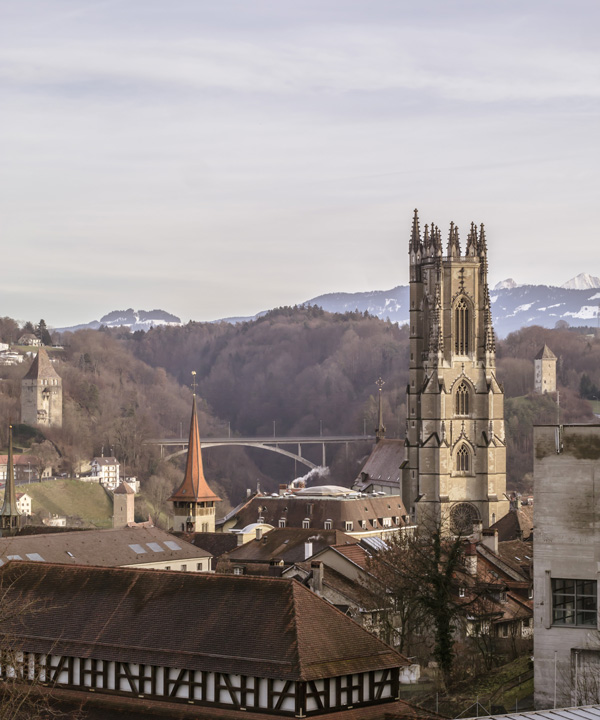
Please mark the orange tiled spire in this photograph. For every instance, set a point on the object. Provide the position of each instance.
(194, 487)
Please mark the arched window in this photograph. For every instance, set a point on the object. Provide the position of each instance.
(463, 459)
(462, 399)
(462, 339)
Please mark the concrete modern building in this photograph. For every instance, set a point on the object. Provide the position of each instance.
(41, 393)
(455, 437)
(545, 371)
(566, 565)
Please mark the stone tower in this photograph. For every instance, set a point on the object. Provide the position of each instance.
(545, 371)
(41, 393)
(194, 502)
(123, 506)
(456, 448)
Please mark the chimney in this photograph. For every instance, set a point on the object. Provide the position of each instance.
(317, 577)
(248, 492)
(490, 540)
(308, 550)
(477, 530)
(240, 539)
(471, 559)
(282, 489)
(259, 532)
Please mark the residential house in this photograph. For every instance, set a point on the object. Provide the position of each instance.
(139, 546)
(30, 340)
(324, 507)
(26, 469)
(23, 504)
(176, 645)
(105, 470)
(382, 472)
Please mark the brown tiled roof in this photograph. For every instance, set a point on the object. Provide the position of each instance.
(263, 627)
(216, 543)
(516, 524)
(194, 487)
(317, 509)
(355, 553)
(105, 461)
(109, 548)
(545, 354)
(124, 489)
(41, 367)
(286, 544)
(17, 459)
(383, 464)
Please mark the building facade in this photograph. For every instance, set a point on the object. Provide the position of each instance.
(566, 565)
(455, 437)
(41, 393)
(106, 471)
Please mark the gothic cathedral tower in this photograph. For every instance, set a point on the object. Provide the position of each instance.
(456, 448)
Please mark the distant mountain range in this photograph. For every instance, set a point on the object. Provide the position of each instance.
(134, 319)
(513, 306)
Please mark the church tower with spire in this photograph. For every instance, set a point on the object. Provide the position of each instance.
(194, 501)
(455, 439)
(10, 517)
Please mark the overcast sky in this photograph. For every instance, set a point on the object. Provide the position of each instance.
(216, 158)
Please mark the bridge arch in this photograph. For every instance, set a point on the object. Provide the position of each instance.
(260, 446)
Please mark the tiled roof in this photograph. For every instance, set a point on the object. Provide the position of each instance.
(287, 544)
(215, 543)
(41, 367)
(124, 489)
(516, 524)
(383, 464)
(194, 487)
(108, 548)
(105, 461)
(261, 627)
(295, 509)
(357, 554)
(545, 354)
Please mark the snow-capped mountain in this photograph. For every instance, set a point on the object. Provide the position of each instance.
(507, 284)
(133, 319)
(583, 281)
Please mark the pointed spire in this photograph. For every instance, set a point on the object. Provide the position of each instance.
(439, 250)
(9, 515)
(472, 244)
(380, 429)
(415, 237)
(453, 241)
(427, 241)
(482, 241)
(194, 487)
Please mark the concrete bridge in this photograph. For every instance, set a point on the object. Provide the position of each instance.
(178, 446)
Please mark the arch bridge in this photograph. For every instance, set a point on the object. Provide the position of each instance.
(178, 446)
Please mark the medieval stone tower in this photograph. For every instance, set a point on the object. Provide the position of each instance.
(41, 393)
(456, 448)
(545, 371)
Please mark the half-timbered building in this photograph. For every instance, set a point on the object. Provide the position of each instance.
(261, 646)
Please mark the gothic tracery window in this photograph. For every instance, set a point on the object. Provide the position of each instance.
(462, 340)
(463, 459)
(462, 399)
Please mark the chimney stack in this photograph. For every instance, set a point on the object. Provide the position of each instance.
(471, 559)
(490, 540)
(259, 532)
(317, 577)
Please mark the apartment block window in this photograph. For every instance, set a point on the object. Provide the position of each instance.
(199, 567)
(328, 524)
(306, 523)
(281, 522)
(349, 526)
(461, 592)
(574, 602)
(184, 568)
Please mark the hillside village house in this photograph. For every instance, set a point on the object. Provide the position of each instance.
(26, 469)
(105, 470)
(24, 504)
(175, 646)
(30, 340)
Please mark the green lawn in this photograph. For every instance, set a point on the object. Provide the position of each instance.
(72, 498)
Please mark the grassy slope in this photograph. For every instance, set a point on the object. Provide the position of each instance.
(72, 498)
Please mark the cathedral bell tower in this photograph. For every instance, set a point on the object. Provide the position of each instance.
(455, 440)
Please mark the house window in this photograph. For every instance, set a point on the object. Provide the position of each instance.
(462, 399)
(183, 568)
(363, 524)
(574, 602)
(238, 570)
(387, 522)
(461, 328)
(167, 567)
(461, 592)
(282, 522)
(463, 459)
(199, 567)
(306, 523)
(328, 524)
(349, 525)
(374, 522)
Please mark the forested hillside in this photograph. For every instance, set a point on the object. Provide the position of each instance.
(301, 368)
